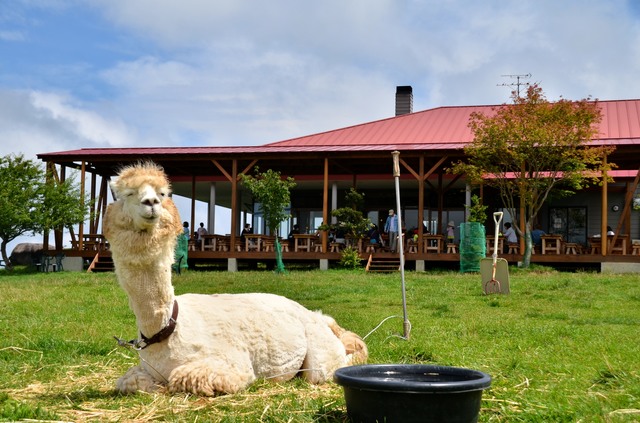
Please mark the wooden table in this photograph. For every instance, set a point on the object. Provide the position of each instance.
(620, 247)
(253, 242)
(432, 243)
(303, 241)
(551, 244)
(216, 242)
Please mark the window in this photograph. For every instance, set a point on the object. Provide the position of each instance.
(570, 222)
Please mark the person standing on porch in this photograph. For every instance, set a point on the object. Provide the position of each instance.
(391, 228)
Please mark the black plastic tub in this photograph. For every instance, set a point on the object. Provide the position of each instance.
(412, 393)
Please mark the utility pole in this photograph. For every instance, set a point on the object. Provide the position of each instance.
(516, 84)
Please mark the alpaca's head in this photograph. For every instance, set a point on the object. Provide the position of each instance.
(143, 190)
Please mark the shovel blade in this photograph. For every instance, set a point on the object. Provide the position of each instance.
(499, 284)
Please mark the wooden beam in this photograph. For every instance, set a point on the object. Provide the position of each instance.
(234, 203)
(453, 181)
(249, 166)
(192, 217)
(625, 216)
(222, 169)
(83, 175)
(603, 211)
(420, 202)
(413, 172)
(325, 204)
(435, 167)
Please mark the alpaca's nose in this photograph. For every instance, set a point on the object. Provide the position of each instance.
(151, 201)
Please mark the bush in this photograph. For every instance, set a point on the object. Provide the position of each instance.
(350, 258)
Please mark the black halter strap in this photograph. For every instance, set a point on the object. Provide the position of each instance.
(164, 333)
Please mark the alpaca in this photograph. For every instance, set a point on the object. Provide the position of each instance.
(206, 344)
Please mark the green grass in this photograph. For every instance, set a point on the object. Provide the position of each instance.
(563, 347)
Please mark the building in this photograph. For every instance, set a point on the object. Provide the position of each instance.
(327, 164)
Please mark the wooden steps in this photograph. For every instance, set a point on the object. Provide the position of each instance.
(383, 264)
(101, 263)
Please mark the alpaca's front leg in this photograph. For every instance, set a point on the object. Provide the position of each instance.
(210, 377)
(137, 379)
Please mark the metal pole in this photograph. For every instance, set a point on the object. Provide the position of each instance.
(396, 173)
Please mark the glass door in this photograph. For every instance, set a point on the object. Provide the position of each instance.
(570, 222)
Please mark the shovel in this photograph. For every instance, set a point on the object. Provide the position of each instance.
(495, 271)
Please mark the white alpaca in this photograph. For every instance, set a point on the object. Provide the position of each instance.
(218, 343)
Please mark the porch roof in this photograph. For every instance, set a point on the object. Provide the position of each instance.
(441, 128)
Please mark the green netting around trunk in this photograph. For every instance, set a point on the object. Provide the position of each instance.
(279, 264)
(181, 252)
(473, 246)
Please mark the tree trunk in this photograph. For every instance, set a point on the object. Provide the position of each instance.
(528, 246)
(5, 259)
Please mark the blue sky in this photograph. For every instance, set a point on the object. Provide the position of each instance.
(120, 73)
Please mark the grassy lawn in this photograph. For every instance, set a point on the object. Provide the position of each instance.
(563, 347)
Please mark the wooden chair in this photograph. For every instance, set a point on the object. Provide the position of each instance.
(514, 248)
(571, 248)
(452, 248)
(223, 245)
(268, 244)
(335, 247)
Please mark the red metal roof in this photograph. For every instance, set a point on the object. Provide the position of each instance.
(447, 127)
(434, 129)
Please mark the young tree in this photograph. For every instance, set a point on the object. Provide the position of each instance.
(272, 192)
(533, 148)
(350, 220)
(31, 205)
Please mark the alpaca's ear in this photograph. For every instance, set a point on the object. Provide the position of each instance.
(176, 222)
(110, 221)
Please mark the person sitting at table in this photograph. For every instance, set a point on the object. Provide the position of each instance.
(201, 232)
(609, 232)
(536, 235)
(290, 238)
(340, 236)
(247, 230)
(374, 234)
(509, 235)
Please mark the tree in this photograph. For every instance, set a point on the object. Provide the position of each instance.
(29, 204)
(477, 211)
(349, 219)
(272, 192)
(351, 222)
(534, 148)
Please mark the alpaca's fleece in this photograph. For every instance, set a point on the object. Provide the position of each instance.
(222, 343)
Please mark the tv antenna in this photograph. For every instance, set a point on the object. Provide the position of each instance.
(516, 84)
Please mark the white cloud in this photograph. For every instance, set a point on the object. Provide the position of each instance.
(35, 122)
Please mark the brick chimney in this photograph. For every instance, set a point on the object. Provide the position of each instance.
(404, 100)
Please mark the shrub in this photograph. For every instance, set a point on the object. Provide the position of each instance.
(350, 258)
